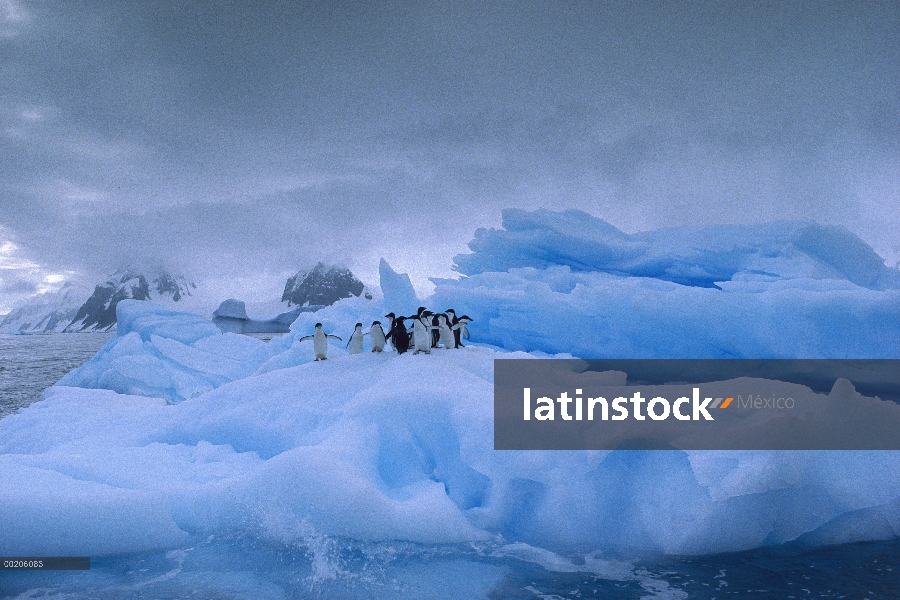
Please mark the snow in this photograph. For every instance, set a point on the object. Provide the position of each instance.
(569, 282)
(49, 312)
(167, 354)
(176, 432)
(695, 256)
(378, 447)
(597, 315)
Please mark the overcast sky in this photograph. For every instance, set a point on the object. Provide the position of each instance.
(237, 142)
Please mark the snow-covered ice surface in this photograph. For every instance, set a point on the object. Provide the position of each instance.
(569, 282)
(184, 459)
(327, 466)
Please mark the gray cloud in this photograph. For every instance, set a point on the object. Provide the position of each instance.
(17, 285)
(257, 139)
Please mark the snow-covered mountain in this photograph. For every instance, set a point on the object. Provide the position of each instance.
(46, 313)
(323, 285)
(98, 312)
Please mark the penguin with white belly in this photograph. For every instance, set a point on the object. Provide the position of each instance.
(452, 321)
(445, 332)
(355, 345)
(376, 336)
(422, 332)
(463, 331)
(412, 330)
(320, 341)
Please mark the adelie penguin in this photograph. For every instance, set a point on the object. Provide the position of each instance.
(355, 345)
(452, 321)
(412, 330)
(398, 336)
(422, 332)
(320, 341)
(463, 331)
(389, 337)
(436, 329)
(376, 336)
(446, 332)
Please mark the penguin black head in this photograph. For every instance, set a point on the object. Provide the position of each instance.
(466, 318)
(421, 310)
(374, 323)
(318, 325)
(359, 324)
(390, 316)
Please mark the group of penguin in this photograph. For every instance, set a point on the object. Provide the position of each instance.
(427, 331)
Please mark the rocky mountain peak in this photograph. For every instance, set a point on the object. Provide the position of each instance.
(99, 311)
(322, 285)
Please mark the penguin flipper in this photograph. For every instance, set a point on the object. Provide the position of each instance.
(305, 337)
(335, 337)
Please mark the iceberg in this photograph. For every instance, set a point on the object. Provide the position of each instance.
(397, 289)
(177, 435)
(231, 317)
(569, 282)
(172, 355)
(693, 256)
(376, 447)
(598, 315)
(162, 353)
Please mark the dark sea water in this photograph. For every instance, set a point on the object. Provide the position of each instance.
(321, 567)
(334, 569)
(31, 363)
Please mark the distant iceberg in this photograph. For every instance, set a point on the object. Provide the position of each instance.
(231, 317)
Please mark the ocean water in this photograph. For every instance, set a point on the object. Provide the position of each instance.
(316, 566)
(31, 363)
(326, 568)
